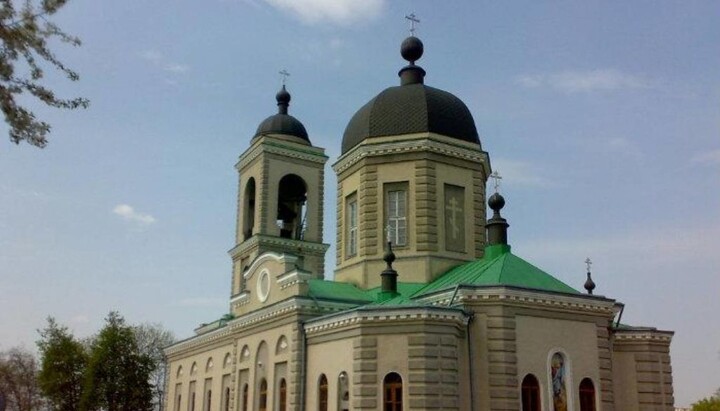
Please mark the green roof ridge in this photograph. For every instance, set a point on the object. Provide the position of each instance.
(498, 267)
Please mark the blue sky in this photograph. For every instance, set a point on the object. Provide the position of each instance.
(603, 117)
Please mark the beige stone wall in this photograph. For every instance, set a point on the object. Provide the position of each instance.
(205, 378)
(428, 354)
(642, 373)
(246, 357)
(426, 174)
(539, 338)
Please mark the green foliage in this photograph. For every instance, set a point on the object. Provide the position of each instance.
(708, 404)
(18, 380)
(63, 362)
(117, 376)
(24, 34)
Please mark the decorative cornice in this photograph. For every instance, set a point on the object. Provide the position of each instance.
(268, 144)
(643, 335)
(417, 143)
(504, 294)
(293, 277)
(284, 243)
(376, 315)
(265, 314)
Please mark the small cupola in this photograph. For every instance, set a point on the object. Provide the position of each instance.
(282, 123)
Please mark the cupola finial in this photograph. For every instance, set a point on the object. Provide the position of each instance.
(283, 97)
(411, 50)
(389, 275)
(589, 283)
(497, 226)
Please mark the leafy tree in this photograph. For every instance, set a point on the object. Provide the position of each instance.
(24, 34)
(63, 363)
(18, 380)
(117, 376)
(708, 404)
(151, 338)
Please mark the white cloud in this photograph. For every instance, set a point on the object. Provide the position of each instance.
(203, 302)
(514, 172)
(341, 12)
(129, 214)
(711, 157)
(158, 60)
(585, 81)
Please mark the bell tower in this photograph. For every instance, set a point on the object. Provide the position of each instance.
(280, 196)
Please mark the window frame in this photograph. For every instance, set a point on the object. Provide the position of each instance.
(393, 401)
(351, 223)
(393, 222)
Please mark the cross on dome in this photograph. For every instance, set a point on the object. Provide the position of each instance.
(588, 263)
(285, 74)
(496, 176)
(413, 20)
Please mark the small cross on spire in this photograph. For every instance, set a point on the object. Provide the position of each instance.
(496, 176)
(413, 20)
(285, 74)
(588, 263)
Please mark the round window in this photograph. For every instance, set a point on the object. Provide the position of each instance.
(263, 286)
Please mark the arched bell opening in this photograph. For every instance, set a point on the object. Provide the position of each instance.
(291, 212)
(249, 211)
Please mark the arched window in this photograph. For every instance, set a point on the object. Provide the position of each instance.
(227, 399)
(323, 393)
(209, 398)
(587, 395)
(530, 393)
(245, 398)
(249, 211)
(263, 395)
(179, 401)
(393, 392)
(282, 394)
(343, 392)
(192, 402)
(292, 194)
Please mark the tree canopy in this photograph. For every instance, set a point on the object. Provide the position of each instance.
(25, 30)
(63, 362)
(18, 380)
(708, 404)
(118, 373)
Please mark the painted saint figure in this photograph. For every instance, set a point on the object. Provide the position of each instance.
(557, 369)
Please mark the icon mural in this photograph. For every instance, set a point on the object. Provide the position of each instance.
(558, 374)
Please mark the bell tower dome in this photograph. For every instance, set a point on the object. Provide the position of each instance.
(280, 196)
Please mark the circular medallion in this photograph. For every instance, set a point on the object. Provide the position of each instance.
(263, 286)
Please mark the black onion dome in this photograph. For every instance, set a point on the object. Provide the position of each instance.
(282, 122)
(411, 108)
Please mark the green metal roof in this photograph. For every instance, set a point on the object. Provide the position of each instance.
(499, 267)
(405, 291)
(332, 290)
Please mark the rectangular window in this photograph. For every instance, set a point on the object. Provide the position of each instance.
(351, 219)
(396, 213)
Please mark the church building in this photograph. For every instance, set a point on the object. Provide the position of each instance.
(428, 309)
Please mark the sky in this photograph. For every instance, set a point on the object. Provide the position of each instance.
(602, 116)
